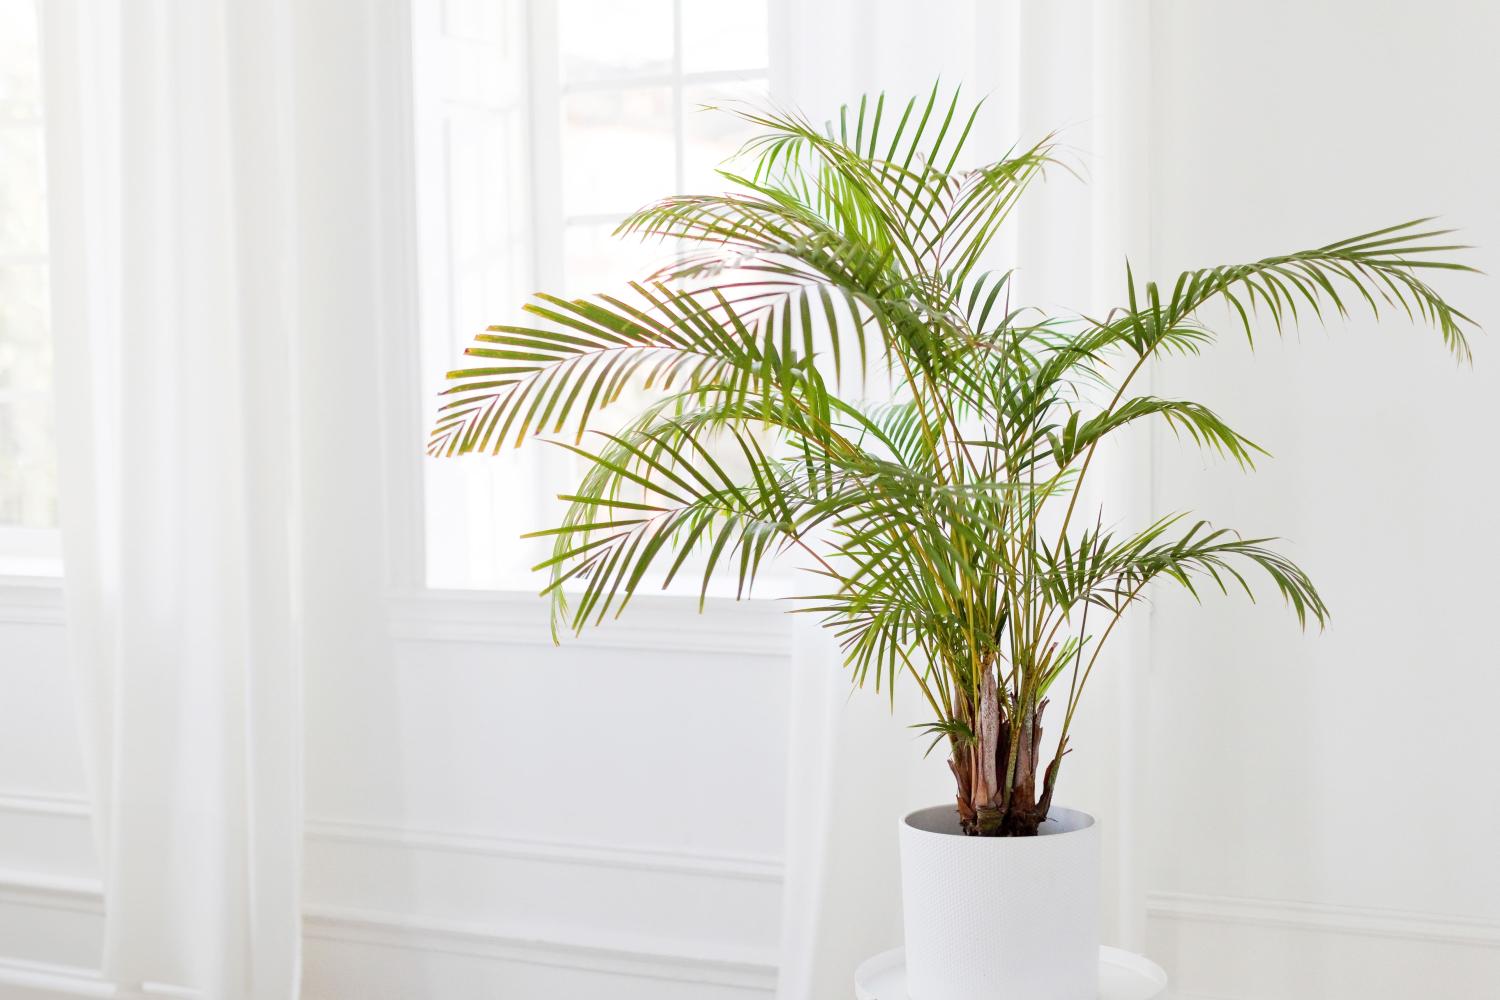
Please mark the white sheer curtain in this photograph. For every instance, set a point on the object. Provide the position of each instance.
(214, 260)
(855, 767)
(177, 373)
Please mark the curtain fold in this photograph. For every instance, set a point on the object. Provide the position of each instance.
(176, 352)
(855, 769)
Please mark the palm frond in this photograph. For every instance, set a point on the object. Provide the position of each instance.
(1381, 268)
(851, 256)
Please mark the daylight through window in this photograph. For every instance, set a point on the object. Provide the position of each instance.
(28, 472)
(524, 170)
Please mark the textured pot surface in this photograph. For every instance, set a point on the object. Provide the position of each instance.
(1001, 918)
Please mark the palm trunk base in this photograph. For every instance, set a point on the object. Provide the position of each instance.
(985, 811)
(1021, 820)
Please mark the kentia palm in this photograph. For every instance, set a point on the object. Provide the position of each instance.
(942, 524)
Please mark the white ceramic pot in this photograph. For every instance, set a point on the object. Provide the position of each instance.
(1001, 918)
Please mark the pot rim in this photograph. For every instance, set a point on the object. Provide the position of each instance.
(1072, 821)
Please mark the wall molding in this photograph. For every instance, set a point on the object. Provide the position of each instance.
(73, 981)
(64, 980)
(44, 804)
(662, 623)
(386, 930)
(51, 892)
(712, 864)
(373, 928)
(674, 861)
(1325, 918)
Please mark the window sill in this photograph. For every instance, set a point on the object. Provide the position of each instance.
(756, 627)
(30, 599)
(656, 621)
(22, 568)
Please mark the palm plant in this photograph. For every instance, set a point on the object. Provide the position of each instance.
(940, 524)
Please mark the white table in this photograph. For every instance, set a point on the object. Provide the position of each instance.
(1123, 975)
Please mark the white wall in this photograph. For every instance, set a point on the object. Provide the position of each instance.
(488, 815)
(603, 819)
(1319, 813)
(1323, 811)
(48, 877)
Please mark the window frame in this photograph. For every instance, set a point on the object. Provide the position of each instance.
(541, 94)
(545, 106)
(28, 550)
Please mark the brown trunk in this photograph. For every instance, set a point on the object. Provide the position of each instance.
(967, 817)
(1050, 781)
(983, 768)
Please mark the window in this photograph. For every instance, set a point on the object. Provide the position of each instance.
(540, 125)
(28, 474)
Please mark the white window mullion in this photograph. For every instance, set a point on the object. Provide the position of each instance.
(549, 226)
(29, 539)
(544, 102)
(679, 112)
(595, 219)
(605, 94)
(664, 79)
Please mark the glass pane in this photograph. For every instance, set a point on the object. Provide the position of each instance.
(475, 74)
(483, 184)
(505, 219)
(481, 20)
(723, 36)
(487, 226)
(20, 82)
(618, 150)
(479, 507)
(595, 261)
(611, 39)
(25, 342)
(712, 133)
(466, 182)
(28, 474)
(23, 220)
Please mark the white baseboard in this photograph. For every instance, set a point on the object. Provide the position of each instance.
(20, 978)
